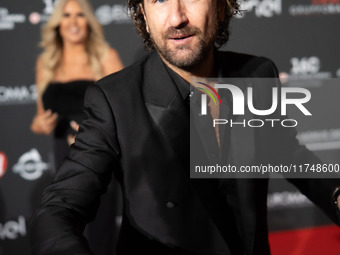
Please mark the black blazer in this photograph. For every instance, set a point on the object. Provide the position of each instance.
(137, 127)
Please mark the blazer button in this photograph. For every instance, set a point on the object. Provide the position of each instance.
(171, 204)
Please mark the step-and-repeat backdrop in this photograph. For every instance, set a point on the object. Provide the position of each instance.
(301, 37)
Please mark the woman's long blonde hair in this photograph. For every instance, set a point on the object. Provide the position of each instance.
(96, 46)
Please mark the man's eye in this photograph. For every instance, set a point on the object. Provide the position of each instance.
(160, 1)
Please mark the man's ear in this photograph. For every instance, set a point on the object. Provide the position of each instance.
(144, 15)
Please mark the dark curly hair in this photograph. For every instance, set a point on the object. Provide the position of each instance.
(231, 9)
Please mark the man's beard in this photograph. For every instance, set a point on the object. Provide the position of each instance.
(191, 55)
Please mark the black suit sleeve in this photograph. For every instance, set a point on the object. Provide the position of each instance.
(72, 199)
(318, 190)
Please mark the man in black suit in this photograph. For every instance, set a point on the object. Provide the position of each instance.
(137, 127)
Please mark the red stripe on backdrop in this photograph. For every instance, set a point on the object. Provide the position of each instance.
(312, 241)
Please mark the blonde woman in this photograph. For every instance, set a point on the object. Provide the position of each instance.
(75, 54)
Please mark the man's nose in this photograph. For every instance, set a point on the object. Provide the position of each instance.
(178, 14)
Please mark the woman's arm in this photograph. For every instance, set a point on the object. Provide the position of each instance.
(111, 63)
(44, 121)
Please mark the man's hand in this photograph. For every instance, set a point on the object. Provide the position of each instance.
(71, 138)
(336, 197)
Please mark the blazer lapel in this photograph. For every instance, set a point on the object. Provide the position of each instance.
(166, 106)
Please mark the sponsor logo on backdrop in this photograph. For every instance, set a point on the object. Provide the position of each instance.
(117, 14)
(338, 73)
(21, 94)
(305, 68)
(3, 163)
(315, 7)
(106, 14)
(319, 140)
(36, 17)
(30, 165)
(261, 8)
(13, 229)
(286, 199)
(9, 20)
